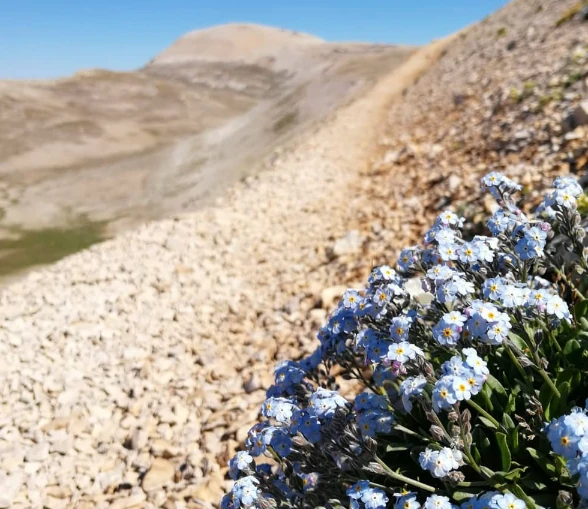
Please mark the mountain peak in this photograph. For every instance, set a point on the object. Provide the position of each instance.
(244, 42)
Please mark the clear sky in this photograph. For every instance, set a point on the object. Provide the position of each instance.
(49, 38)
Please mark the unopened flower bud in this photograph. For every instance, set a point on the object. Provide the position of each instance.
(437, 432)
(524, 361)
(455, 477)
(467, 427)
(431, 416)
(565, 498)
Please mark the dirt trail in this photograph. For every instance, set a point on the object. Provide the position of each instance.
(132, 370)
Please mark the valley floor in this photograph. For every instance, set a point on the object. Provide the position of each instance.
(132, 371)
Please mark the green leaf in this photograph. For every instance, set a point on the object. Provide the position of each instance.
(507, 422)
(513, 435)
(486, 395)
(572, 375)
(561, 403)
(515, 474)
(560, 465)
(459, 496)
(545, 395)
(517, 340)
(487, 422)
(504, 451)
(543, 462)
(476, 454)
(396, 448)
(516, 490)
(496, 386)
(571, 347)
(511, 404)
(580, 310)
(532, 484)
(487, 472)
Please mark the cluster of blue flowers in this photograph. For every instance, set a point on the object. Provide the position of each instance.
(361, 494)
(416, 362)
(460, 380)
(491, 500)
(565, 194)
(568, 436)
(441, 462)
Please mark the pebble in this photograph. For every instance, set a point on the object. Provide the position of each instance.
(160, 473)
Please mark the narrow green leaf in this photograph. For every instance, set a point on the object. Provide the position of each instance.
(545, 395)
(507, 422)
(513, 435)
(511, 404)
(489, 474)
(495, 385)
(476, 454)
(486, 395)
(487, 422)
(562, 402)
(460, 496)
(504, 451)
(396, 448)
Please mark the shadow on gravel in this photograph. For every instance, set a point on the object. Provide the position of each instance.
(29, 248)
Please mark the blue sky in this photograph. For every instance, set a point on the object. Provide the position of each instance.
(49, 38)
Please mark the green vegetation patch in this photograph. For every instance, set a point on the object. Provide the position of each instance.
(44, 246)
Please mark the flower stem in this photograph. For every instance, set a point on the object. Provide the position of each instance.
(516, 362)
(471, 484)
(403, 478)
(552, 338)
(407, 431)
(548, 381)
(480, 410)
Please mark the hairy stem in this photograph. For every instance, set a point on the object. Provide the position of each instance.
(480, 410)
(402, 478)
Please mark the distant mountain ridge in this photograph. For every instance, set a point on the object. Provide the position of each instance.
(236, 42)
(124, 147)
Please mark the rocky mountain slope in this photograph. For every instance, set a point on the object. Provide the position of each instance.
(508, 95)
(134, 369)
(123, 147)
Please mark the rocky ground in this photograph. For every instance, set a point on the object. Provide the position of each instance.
(508, 95)
(133, 370)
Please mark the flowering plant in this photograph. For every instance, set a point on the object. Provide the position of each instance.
(473, 396)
